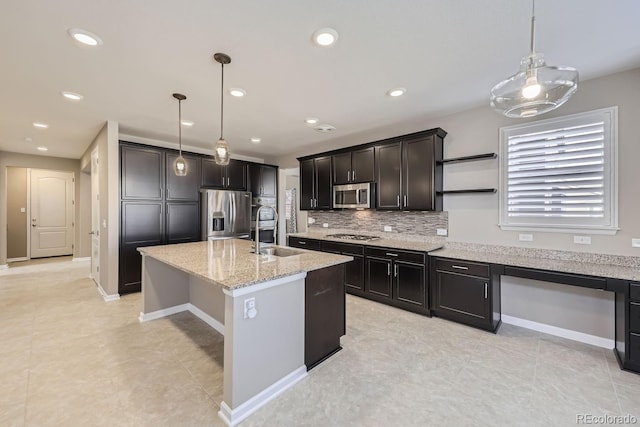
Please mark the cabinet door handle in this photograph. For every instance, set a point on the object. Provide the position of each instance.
(353, 175)
(348, 176)
(460, 267)
(486, 290)
(398, 201)
(405, 200)
(228, 181)
(391, 254)
(302, 243)
(389, 269)
(395, 270)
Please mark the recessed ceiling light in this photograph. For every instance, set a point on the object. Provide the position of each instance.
(311, 121)
(399, 91)
(325, 128)
(72, 96)
(43, 149)
(40, 125)
(234, 91)
(85, 37)
(188, 123)
(256, 140)
(325, 37)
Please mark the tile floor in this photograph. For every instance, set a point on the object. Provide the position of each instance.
(69, 359)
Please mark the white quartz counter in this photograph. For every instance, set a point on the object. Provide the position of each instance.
(231, 264)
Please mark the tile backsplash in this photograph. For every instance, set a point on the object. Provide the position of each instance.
(423, 224)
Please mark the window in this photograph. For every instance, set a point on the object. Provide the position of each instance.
(560, 174)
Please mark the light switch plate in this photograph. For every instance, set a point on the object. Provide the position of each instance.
(23, 210)
(635, 243)
(387, 228)
(582, 240)
(525, 237)
(325, 225)
(441, 231)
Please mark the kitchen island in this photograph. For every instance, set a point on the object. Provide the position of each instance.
(256, 301)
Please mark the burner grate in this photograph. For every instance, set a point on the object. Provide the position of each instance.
(349, 236)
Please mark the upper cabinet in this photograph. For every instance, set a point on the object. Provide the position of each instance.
(230, 177)
(389, 175)
(142, 173)
(263, 180)
(315, 183)
(183, 188)
(354, 166)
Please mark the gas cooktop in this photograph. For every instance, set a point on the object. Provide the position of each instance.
(348, 236)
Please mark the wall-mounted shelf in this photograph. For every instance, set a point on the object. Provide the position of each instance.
(470, 158)
(474, 190)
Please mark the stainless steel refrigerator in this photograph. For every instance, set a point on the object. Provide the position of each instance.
(225, 214)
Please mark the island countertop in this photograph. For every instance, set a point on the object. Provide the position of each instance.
(230, 263)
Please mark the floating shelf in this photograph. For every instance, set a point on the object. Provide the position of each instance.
(470, 158)
(475, 190)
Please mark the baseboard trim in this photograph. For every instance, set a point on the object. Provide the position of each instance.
(209, 320)
(22, 258)
(106, 296)
(145, 317)
(84, 258)
(232, 417)
(3, 266)
(560, 332)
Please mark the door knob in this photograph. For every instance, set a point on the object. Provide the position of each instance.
(34, 225)
(92, 232)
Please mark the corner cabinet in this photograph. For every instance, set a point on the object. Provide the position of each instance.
(409, 173)
(263, 180)
(316, 183)
(466, 292)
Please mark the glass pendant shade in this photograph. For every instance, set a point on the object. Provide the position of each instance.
(221, 152)
(536, 89)
(180, 166)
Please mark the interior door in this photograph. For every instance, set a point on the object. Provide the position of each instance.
(51, 213)
(95, 218)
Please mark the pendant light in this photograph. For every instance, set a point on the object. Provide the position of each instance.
(221, 149)
(537, 88)
(180, 165)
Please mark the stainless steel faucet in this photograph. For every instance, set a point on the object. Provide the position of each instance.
(275, 226)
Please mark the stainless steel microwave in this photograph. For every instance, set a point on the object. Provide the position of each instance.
(353, 196)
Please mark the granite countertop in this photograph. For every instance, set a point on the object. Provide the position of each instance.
(411, 245)
(229, 263)
(591, 264)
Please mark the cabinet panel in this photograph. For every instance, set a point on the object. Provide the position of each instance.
(323, 179)
(183, 187)
(388, 176)
(466, 267)
(236, 174)
(634, 291)
(396, 254)
(297, 242)
(362, 165)
(307, 184)
(183, 222)
(142, 172)
(354, 273)
(341, 168)
(418, 174)
(129, 268)
(269, 181)
(379, 277)
(410, 284)
(634, 317)
(142, 222)
(212, 174)
(463, 296)
(634, 347)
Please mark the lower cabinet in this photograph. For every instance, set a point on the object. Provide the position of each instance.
(354, 270)
(324, 313)
(467, 292)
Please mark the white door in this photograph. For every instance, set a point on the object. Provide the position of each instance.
(95, 218)
(51, 213)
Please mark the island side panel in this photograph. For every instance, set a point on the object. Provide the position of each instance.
(259, 352)
(209, 298)
(163, 286)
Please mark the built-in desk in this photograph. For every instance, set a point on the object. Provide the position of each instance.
(476, 276)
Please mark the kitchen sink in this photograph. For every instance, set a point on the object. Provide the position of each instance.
(279, 252)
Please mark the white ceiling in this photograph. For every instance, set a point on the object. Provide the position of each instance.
(447, 53)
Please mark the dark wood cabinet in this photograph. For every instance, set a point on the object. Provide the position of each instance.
(230, 177)
(316, 183)
(627, 333)
(183, 222)
(467, 292)
(324, 313)
(263, 180)
(354, 166)
(299, 242)
(354, 270)
(142, 171)
(409, 174)
(184, 188)
(379, 279)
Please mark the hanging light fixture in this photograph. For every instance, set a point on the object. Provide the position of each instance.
(180, 165)
(221, 150)
(537, 88)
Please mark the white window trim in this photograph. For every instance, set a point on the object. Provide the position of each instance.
(611, 170)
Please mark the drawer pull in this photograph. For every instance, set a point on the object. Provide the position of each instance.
(302, 243)
(391, 254)
(486, 290)
(460, 267)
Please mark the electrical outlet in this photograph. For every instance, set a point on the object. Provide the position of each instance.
(525, 237)
(441, 231)
(582, 240)
(250, 310)
(325, 225)
(23, 210)
(387, 228)
(635, 243)
(311, 220)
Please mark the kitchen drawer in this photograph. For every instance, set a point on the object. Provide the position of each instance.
(634, 291)
(634, 347)
(394, 254)
(345, 248)
(463, 267)
(297, 242)
(634, 317)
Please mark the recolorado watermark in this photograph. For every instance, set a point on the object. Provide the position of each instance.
(606, 419)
